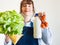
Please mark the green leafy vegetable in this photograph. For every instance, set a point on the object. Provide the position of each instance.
(11, 22)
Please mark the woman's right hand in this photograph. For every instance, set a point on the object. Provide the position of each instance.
(7, 39)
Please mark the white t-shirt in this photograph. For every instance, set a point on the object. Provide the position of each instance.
(2, 39)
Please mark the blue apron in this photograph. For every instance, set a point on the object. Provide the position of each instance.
(28, 38)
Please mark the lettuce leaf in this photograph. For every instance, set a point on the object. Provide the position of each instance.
(11, 22)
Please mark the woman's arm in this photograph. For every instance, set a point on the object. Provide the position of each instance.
(47, 36)
(46, 32)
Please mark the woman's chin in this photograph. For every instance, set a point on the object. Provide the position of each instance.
(28, 13)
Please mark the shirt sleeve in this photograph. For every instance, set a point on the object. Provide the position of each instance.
(9, 43)
(47, 36)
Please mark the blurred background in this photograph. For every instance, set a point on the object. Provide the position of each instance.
(51, 7)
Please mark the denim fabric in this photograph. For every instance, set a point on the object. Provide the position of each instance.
(46, 36)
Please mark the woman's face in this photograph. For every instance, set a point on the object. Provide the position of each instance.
(27, 9)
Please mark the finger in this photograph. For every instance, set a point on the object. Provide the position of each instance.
(40, 14)
(44, 13)
(44, 16)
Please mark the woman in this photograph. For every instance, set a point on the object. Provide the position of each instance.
(27, 11)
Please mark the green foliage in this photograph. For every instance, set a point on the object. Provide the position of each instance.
(11, 22)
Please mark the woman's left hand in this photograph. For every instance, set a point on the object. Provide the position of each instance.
(42, 17)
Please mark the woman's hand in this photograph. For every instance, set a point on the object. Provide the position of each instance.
(7, 39)
(42, 17)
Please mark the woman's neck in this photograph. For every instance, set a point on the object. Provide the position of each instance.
(27, 18)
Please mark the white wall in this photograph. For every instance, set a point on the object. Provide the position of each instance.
(9, 5)
(51, 7)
